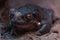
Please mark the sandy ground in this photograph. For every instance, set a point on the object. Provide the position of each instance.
(52, 4)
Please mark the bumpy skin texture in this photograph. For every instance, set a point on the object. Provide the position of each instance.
(23, 23)
(26, 19)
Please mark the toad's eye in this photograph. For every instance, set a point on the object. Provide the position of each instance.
(29, 16)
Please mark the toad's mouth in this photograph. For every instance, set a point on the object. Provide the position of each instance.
(35, 23)
(27, 26)
(21, 23)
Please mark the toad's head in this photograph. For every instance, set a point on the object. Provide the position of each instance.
(25, 19)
